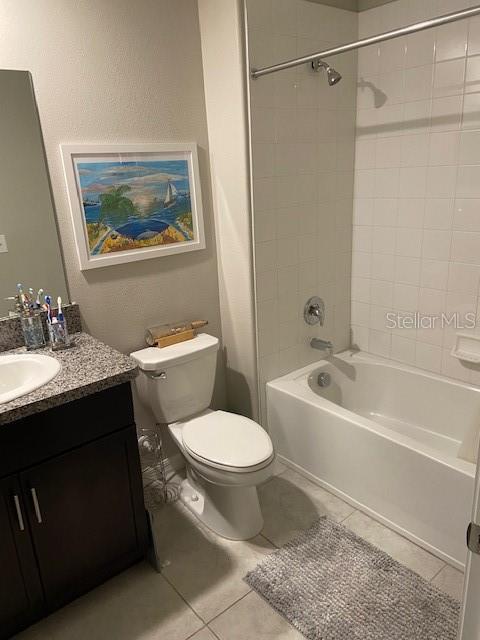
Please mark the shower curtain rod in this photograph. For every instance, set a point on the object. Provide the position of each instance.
(358, 44)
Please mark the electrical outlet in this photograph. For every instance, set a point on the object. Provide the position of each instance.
(3, 244)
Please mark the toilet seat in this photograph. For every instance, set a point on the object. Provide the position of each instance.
(227, 441)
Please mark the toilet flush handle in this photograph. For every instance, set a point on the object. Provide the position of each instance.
(157, 375)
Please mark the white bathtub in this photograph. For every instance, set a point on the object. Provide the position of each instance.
(384, 437)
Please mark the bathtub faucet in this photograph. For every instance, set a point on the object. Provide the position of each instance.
(323, 345)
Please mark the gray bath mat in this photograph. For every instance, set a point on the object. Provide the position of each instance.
(332, 585)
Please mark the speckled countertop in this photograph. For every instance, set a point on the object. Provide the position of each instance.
(88, 367)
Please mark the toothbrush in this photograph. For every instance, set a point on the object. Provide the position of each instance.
(38, 304)
(60, 312)
(21, 295)
(48, 303)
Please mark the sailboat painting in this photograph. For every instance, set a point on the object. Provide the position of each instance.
(133, 202)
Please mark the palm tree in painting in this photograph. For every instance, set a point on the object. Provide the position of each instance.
(116, 205)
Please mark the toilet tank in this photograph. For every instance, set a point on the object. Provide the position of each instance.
(177, 381)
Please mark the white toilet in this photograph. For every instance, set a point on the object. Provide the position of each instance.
(227, 455)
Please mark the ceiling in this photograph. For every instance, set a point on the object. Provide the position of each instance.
(353, 5)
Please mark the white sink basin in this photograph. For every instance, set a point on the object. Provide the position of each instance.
(22, 373)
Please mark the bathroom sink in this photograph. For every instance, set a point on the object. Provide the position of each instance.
(22, 373)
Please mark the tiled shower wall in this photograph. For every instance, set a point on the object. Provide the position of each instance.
(416, 234)
(303, 139)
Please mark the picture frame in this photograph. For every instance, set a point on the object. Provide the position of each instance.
(132, 202)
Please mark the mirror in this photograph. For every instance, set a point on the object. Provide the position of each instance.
(29, 245)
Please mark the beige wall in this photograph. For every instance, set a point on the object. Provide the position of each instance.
(120, 71)
(221, 25)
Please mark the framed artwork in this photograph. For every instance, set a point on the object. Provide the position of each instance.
(133, 201)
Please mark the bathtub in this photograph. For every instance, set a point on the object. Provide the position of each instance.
(383, 437)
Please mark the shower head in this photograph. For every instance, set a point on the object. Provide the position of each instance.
(333, 76)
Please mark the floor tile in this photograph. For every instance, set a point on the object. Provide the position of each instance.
(252, 618)
(397, 546)
(203, 634)
(278, 467)
(138, 604)
(450, 581)
(206, 570)
(291, 503)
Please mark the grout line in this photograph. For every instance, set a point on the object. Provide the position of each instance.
(439, 571)
(168, 581)
(349, 515)
(262, 535)
(195, 632)
(229, 606)
(213, 632)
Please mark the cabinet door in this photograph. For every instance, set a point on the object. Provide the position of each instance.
(84, 516)
(20, 590)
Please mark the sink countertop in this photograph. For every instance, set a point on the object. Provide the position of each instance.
(88, 367)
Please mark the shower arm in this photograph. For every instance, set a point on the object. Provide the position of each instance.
(365, 42)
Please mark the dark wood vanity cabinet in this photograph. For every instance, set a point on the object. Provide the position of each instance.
(21, 597)
(71, 509)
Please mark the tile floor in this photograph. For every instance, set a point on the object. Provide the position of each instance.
(200, 594)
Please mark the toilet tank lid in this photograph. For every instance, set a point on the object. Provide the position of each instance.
(154, 358)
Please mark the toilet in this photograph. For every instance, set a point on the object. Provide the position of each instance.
(227, 455)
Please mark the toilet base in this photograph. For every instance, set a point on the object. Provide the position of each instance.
(232, 512)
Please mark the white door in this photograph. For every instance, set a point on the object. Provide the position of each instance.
(470, 618)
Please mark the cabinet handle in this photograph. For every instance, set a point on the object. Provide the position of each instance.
(36, 506)
(18, 509)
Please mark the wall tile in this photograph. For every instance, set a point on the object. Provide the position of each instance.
(441, 182)
(469, 147)
(471, 111)
(467, 215)
(438, 213)
(379, 343)
(403, 349)
(451, 41)
(448, 78)
(381, 293)
(434, 274)
(413, 182)
(409, 242)
(463, 277)
(436, 244)
(385, 212)
(420, 49)
(472, 80)
(446, 113)
(468, 182)
(411, 212)
(428, 356)
(414, 150)
(266, 285)
(444, 148)
(473, 36)
(407, 270)
(418, 83)
(382, 266)
(466, 247)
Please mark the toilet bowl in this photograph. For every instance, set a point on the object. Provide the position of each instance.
(226, 455)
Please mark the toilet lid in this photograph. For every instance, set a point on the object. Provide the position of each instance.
(227, 439)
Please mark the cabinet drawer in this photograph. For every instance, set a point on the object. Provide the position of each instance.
(26, 442)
